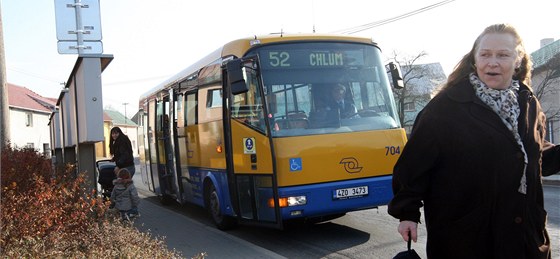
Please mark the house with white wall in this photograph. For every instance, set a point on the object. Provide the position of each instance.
(546, 84)
(29, 119)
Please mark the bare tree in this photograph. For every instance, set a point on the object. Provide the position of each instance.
(546, 87)
(548, 78)
(420, 81)
(405, 95)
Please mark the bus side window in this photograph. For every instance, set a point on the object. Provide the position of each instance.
(247, 107)
(214, 98)
(190, 109)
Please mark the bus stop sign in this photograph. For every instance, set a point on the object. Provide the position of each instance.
(78, 27)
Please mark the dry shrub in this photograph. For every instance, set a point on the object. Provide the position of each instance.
(47, 213)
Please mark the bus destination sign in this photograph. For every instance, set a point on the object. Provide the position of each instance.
(290, 59)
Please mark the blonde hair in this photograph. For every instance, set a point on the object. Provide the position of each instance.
(467, 63)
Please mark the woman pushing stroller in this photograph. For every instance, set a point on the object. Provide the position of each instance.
(121, 149)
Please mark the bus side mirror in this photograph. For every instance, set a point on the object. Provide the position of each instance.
(396, 75)
(236, 80)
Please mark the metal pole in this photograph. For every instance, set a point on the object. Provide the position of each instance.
(79, 27)
(4, 105)
(125, 119)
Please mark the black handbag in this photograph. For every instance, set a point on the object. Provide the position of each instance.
(409, 253)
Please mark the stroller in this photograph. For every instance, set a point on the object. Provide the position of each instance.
(106, 175)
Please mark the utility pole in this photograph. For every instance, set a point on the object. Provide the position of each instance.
(125, 118)
(4, 105)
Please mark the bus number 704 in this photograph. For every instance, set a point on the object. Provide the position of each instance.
(392, 150)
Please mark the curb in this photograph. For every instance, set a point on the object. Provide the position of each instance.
(551, 182)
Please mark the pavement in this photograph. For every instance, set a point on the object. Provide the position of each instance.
(190, 237)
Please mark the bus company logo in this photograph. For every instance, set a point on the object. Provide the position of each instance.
(351, 165)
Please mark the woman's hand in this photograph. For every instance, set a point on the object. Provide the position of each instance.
(117, 170)
(408, 226)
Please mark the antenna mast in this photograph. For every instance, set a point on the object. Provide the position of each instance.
(313, 14)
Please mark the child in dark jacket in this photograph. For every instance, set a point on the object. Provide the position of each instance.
(124, 195)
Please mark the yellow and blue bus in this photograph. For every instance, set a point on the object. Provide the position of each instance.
(247, 132)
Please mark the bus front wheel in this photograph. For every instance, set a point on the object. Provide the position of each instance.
(222, 221)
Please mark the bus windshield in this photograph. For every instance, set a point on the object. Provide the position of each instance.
(326, 87)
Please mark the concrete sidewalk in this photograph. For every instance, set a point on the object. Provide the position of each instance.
(189, 236)
(192, 238)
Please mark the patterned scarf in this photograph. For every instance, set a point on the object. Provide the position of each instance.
(505, 104)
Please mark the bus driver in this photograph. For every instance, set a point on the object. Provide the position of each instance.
(347, 109)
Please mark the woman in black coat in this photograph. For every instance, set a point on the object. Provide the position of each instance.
(473, 159)
(121, 149)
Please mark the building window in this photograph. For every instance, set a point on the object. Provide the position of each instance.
(30, 145)
(46, 150)
(409, 107)
(29, 119)
(550, 131)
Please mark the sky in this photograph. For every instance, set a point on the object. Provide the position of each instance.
(152, 40)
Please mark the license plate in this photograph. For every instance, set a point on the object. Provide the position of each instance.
(350, 192)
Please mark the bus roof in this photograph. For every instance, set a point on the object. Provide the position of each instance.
(238, 48)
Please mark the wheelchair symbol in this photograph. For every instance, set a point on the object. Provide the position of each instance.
(249, 146)
(295, 164)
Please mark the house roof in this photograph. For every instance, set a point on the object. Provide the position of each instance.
(136, 117)
(23, 98)
(106, 117)
(118, 118)
(544, 54)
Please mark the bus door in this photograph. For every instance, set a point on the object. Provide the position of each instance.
(173, 151)
(165, 156)
(249, 148)
(143, 147)
(151, 149)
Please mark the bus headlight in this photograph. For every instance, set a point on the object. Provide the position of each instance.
(288, 201)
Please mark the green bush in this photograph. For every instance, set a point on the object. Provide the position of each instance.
(47, 213)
